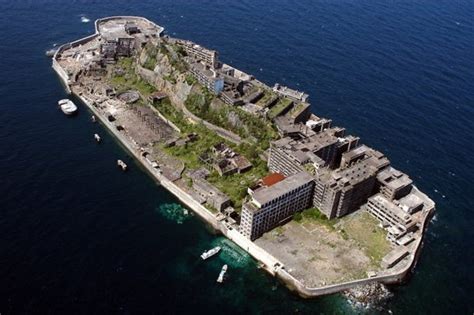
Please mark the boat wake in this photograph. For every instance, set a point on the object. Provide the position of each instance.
(85, 19)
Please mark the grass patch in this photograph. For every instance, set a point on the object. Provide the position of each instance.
(267, 97)
(248, 126)
(235, 185)
(365, 230)
(279, 107)
(313, 215)
(129, 80)
(151, 52)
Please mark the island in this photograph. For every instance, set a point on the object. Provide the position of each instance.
(312, 204)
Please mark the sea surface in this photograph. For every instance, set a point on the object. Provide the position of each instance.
(79, 237)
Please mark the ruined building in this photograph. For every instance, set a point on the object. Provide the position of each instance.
(273, 204)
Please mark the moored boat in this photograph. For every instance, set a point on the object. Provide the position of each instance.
(67, 106)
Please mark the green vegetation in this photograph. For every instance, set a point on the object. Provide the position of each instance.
(365, 230)
(235, 185)
(298, 217)
(169, 111)
(151, 52)
(315, 216)
(244, 124)
(267, 96)
(297, 109)
(310, 168)
(279, 107)
(190, 152)
(170, 78)
(174, 54)
(180, 50)
(199, 102)
(129, 80)
(190, 79)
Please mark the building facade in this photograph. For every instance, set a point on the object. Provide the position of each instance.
(340, 192)
(271, 206)
(207, 77)
(207, 56)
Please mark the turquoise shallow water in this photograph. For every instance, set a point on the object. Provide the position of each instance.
(77, 236)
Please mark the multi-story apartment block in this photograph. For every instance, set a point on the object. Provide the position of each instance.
(199, 53)
(207, 77)
(394, 184)
(289, 156)
(342, 191)
(270, 206)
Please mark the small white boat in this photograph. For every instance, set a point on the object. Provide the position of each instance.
(84, 19)
(67, 106)
(122, 165)
(220, 279)
(210, 253)
(97, 137)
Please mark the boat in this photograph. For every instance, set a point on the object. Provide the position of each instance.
(210, 253)
(122, 165)
(97, 137)
(220, 279)
(67, 106)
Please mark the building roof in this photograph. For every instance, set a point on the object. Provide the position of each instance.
(394, 179)
(380, 200)
(265, 195)
(272, 179)
(211, 190)
(241, 162)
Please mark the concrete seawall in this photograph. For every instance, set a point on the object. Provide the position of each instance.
(271, 264)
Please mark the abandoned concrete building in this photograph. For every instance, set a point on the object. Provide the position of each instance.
(270, 206)
(213, 196)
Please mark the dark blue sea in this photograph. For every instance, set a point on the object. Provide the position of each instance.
(79, 237)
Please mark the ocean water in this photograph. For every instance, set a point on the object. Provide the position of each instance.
(78, 236)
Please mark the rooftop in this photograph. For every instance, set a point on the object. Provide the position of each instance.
(265, 195)
(390, 206)
(272, 179)
(394, 179)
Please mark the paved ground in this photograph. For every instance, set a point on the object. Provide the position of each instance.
(316, 254)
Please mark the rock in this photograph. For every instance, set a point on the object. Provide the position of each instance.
(373, 295)
(234, 120)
